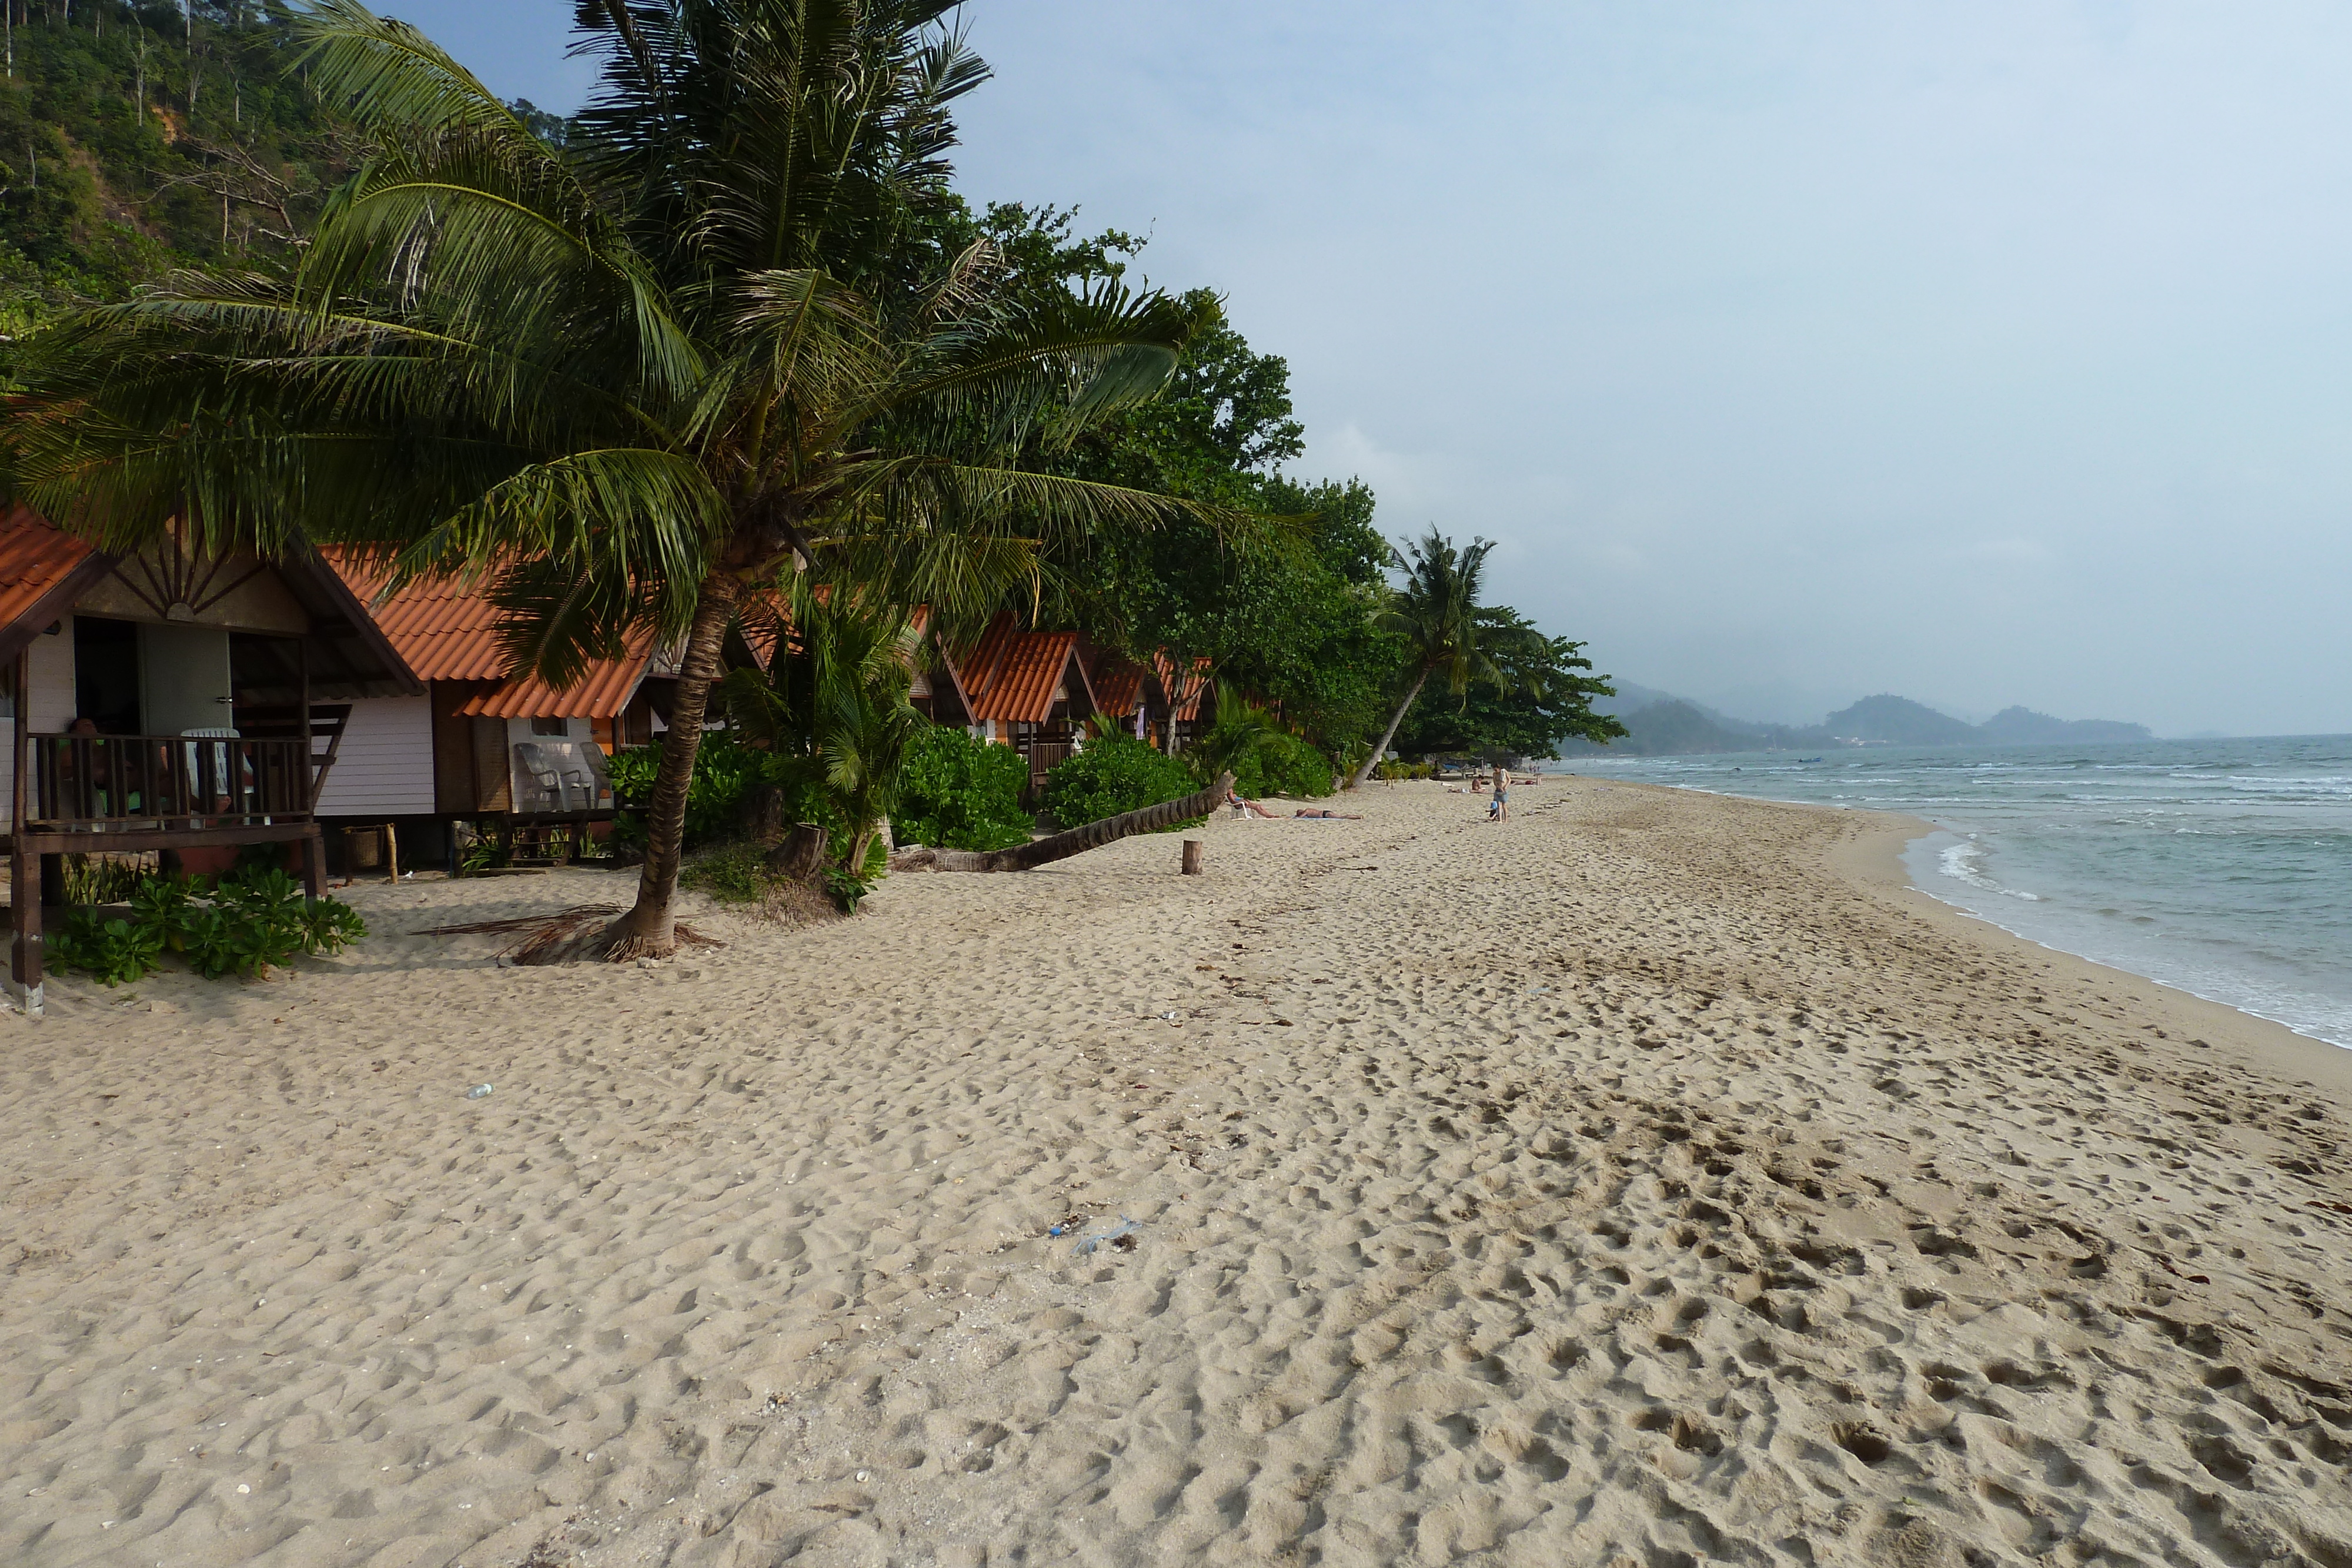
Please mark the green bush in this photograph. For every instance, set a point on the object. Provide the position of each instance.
(738, 873)
(1282, 764)
(957, 792)
(115, 951)
(249, 921)
(1115, 773)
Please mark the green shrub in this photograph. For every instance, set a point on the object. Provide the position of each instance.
(115, 951)
(1115, 773)
(103, 879)
(958, 793)
(1281, 763)
(250, 920)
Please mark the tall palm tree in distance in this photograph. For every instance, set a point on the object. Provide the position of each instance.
(1436, 614)
(705, 346)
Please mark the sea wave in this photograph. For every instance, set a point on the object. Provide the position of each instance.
(1965, 862)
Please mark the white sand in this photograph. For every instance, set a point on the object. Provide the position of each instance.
(1648, 1181)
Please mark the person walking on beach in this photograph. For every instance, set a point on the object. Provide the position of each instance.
(1498, 809)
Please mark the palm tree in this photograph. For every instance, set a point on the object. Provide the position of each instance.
(1437, 613)
(633, 380)
(838, 703)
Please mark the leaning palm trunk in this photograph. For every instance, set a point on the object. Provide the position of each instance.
(1077, 841)
(1389, 734)
(649, 930)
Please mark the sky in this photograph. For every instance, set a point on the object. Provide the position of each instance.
(1790, 351)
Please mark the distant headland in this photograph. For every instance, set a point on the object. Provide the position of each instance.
(1660, 725)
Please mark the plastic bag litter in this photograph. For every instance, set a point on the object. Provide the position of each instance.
(1125, 1226)
(479, 1092)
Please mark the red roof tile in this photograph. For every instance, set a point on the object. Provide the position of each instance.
(41, 567)
(449, 631)
(1011, 675)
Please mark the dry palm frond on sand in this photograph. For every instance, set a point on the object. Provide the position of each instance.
(542, 938)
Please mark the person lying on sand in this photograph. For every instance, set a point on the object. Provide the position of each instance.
(1313, 815)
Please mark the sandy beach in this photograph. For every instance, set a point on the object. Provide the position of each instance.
(1653, 1180)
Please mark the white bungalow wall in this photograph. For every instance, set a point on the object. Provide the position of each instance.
(384, 766)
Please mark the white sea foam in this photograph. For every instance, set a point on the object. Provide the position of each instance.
(1965, 862)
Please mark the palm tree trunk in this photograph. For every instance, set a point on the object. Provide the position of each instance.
(1390, 733)
(649, 929)
(1077, 841)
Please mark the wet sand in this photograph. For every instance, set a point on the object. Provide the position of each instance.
(1653, 1179)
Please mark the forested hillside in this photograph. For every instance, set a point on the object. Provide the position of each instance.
(134, 138)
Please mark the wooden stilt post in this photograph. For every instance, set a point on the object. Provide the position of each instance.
(314, 844)
(23, 867)
(392, 849)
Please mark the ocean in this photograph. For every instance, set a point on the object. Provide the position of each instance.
(2220, 867)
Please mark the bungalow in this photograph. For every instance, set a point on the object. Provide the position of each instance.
(477, 743)
(937, 691)
(1027, 690)
(171, 703)
(1123, 690)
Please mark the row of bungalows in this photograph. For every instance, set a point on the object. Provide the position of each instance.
(1034, 691)
(186, 706)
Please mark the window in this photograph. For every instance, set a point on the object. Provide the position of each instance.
(558, 727)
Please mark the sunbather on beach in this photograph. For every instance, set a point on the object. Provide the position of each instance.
(1242, 807)
(1314, 815)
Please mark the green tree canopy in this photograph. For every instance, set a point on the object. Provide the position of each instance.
(1543, 697)
(639, 376)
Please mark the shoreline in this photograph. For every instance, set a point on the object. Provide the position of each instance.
(1883, 869)
(1656, 1176)
(1876, 862)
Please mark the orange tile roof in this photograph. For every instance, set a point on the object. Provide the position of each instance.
(42, 568)
(449, 631)
(1118, 683)
(1011, 675)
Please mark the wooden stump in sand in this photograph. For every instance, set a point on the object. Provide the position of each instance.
(800, 853)
(1191, 863)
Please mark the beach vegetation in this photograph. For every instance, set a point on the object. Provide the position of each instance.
(1264, 756)
(1111, 775)
(957, 792)
(1435, 614)
(245, 923)
(1539, 693)
(636, 380)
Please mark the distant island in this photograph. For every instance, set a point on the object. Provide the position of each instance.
(1663, 726)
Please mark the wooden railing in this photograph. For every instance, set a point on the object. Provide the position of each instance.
(97, 782)
(1043, 757)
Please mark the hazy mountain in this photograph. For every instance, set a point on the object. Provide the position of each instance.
(1676, 729)
(2023, 727)
(1660, 723)
(1899, 721)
